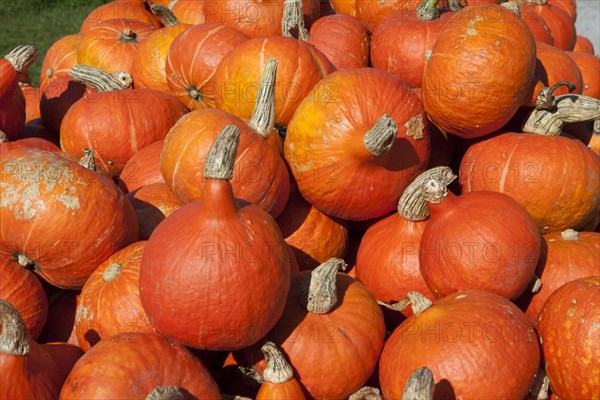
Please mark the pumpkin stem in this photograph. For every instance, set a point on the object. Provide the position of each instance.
(128, 36)
(541, 386)
(263, 117)
(278, 370)
(3, 137)
(538, 2)
(23, 260)
(413, 204)
(166, 393)
(318, 290)
(111, 272)
(99, 80)
(419, 386)
(21, 57)
(250, 376)
(14, 339)
(570, 234)
(49, 72)
(416, 300)
(536, 285)
(366, 393)
(546, 99)
(292, 22)
(220, 159)
(514, 7)
(380, 138)
(165, 15)
(428, 10)
(88, 161)
(454, 5)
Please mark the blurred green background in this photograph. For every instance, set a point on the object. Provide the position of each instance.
(40, 23)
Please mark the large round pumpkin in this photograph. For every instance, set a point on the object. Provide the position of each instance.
(479, 71)
(355, 143)
(59, 59)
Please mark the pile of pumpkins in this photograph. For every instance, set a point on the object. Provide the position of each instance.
(292, 199)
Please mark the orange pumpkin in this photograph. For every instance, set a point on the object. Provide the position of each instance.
(188, 11)
(118, 10)
(589, 66)
(569, 6)
(583, 45)
(59, 59)
(559, 22)
(152, 204)
(344, 7)
(142, 169)
(278, 378)
(32, 101)
(373, 13)
(30, 142)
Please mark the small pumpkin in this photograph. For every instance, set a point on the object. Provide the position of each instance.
(583, 45)
(589, 66)
(143, 168)
(118, 10)
(152, 204)
(59, 59)
(278, 378)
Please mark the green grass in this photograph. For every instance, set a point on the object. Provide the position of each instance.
(40, 23)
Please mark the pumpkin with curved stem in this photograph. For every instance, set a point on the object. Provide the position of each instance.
(59, 59)
(478, 326)
(566, 256)
(118, 10)
(143, 168)
(347, 146)
(278, 378)
(193, 58)
(156, 368)
(465, 246)
(58, 97)
(119, 121)
(111, 45)
(567, 325)
(589, 66)
(260, 174)
(343, 39)
(66, 255)
(225, 242)
(461, 93)
(188, 11)
(583, 45)
(559, 22)
(109, 304)
(30, 370)
(152, 204)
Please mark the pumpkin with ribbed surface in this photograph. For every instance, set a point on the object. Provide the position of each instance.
(59, 59)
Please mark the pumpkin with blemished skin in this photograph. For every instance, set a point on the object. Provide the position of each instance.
(117, 10)
(344, 7)
(583, 45)
(152, 204)
(59, 59)
(568, 327)
(143, 168)
(589, 66)
(31, 142)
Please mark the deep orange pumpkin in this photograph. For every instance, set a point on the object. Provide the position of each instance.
(188, 11)
(589, 66)
(59, 59)
(567, 327)
(152, 204)
(64, 191)
(569, 6)
(583, 45)
(143, 168)
(118, 10)
(559, 22)
(540, 29)
(278, 378)
(58, 97)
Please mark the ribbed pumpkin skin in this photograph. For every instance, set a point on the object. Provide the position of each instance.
(57, 98)
(343, 39)
(492, 50)
(109, 305)
(152, 361)
(583, 45)
(25, 293)
(103, 48)
(117, 10)
(148, 68)
(152, 204)
(143, 168)
(300, 66)
(12, 113)
(193, 58)
(59, 59)
(559, 22)
(557, 195)
(227, 285)
(260, 175)
(567, 327)
(473, 342)
(117, 124)
(188, 11)
(589, 66)
(325, 151)
(64, 192)
(562, 261)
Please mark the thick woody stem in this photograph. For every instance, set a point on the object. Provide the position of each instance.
(21, 57)
(366, 393)
(14, 339)
(164, 14)
(539, 2)
(166, 393)
(413, 203)
(99, 80)
(220, 159)
(419, 386)
(88, 161)
(128, 36)
(546, 99)
(428, 10)
(416, 300)
(380, 138)
(318, 291)
(263, 117)
(278, 370)
(292, 22)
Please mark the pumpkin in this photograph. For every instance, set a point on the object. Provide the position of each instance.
(524, 166)
(30, 370)
(58, 97)
(152, 204)
(59, 59)
(192, 59)
(588, 132)
(569, 6)
(142, 169)
(278, 378)
(343, 39)
(443, 147)
(344, 7)
(111, 45)
(566, 256)
(260, 174)
(330, 321)
(12, 113)
(148, 68)
(347, 146)
(372, 14)
(32, 101)
(313, 236)
(116, 122)
(465, 246)
(63, 191)
(243, 265)
(109, 304)
(474, 342)
(60, 325)
(583, 45)
(188, 11)
(567, 325)
(559, 22)
(538, 26)
(402, 42)
(36, 129)
(589, 66)
(38, 143)
(25, 293)
(156, 368)
(118, 10)
(479, 71)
